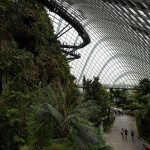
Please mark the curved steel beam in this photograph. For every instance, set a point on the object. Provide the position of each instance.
(116, 22)
(114, 57)
(124, 69)
(143, 42)
(126, 73)
(54, 7)
(95, 46)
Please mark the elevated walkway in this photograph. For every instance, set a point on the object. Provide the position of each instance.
(53, 6)
(116, 86)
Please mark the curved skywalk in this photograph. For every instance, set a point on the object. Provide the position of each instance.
(119, 52)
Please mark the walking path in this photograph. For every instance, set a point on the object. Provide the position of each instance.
(114, 137)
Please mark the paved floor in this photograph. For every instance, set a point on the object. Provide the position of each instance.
(114, 138)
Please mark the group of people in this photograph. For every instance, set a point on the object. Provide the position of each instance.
(118, 112)
(124, 133)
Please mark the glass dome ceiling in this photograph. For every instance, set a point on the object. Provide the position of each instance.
(119, 51)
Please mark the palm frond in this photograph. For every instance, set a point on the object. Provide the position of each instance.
(87, 109)
(46, 110)
(80, 143)
(86, 104)
(71, 119)
(88, 133)
(55, 113)
(50, 95)
(69, 115)
(84, 129)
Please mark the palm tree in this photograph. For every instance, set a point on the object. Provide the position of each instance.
(64, 111)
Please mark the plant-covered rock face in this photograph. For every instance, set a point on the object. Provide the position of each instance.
(26, 43)
(29, 61)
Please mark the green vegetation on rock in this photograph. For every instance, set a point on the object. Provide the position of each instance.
(40, 105)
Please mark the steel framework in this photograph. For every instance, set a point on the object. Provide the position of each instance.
(119, 51)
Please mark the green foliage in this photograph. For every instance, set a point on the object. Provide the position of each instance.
(140, 102)
(108, 125)
(18, 139)
(119, 97)
(28, 57)
(144, 85)
(25, 147)
(102, 148)
(70, 117)
(60, 147)
(41, 133)
(29, 61)
(93, 90)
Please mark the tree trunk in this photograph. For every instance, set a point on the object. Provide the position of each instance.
(3, 81)
(0, 86)
(108, 114)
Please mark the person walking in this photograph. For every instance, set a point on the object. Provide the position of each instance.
(126, 133)
(115, 113)
(122, 112)
(122, 133)
(132, 134)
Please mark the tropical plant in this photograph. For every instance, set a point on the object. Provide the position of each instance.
(63, 111)
(93, 90)
(144, 86)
